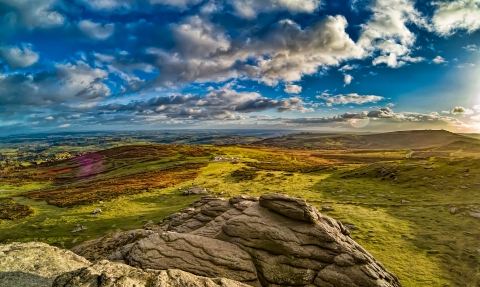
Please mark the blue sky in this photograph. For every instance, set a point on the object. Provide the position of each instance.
(353, 65)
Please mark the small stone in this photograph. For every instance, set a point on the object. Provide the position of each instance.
(405, 201)
(327, 208)
(475, 214)
(98, 210)
(453, 210)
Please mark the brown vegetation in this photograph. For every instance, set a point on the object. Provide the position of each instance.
(103, 189)
(9, 209)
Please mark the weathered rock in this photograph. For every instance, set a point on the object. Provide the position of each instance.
(35, 264)
(195, 190)
(109, 247)
(475, 214)
(453, 210)
(275, 240)
(195, 254)
(108, 274)
(295, 208)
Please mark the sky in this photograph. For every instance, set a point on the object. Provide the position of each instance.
(322, 65)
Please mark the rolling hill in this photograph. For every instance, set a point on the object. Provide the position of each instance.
(415, 139)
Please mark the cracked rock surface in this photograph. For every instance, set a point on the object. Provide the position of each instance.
(274, 240)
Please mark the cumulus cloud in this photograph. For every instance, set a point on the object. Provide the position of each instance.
(40, 14)
(390, 60)
(204, 52)
(439, 60)
(461, 111)
(293, 89)
(387, 30)
(348, 99)
(410, 59)
(347, 79)
(224, 103)
(451, 16)
(348, 67)
(96, 30)
(70, 82)
(19, 57)
(249, 9)
(383, 116)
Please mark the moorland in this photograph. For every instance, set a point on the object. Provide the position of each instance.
(411, 198)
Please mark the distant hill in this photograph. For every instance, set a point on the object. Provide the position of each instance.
(415, 139)
(461, 146)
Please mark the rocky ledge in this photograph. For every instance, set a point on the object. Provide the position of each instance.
(274, 240)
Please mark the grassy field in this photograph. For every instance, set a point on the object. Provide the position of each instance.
(400, 206)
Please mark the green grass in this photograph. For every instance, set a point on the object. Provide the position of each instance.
(397, 234)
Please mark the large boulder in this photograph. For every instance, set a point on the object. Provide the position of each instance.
(199, 255)
(35, 264)
(274, 240)
(109, 274)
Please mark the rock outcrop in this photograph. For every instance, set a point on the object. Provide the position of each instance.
(41, 265)
(109, 274)
(35, 264)
(274, 240)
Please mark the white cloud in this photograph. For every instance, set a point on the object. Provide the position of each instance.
(37, 14)
(108, 5)
(19, 57)
(451, 16)
(413, 59)
(293, 89)
(348, 67)
(96, 30)
(249, 9)
(390, 60)
(387, 30)
(353, 98)
(64, 126)
(461, 111)
(347, 79)
(204, 52)
(466, 65)
(49, 118)
(439, 60)
(472, 48)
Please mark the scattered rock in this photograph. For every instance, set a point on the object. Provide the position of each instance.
(463, 187)
(475, 214)
(453, 210)
(98, 210)
(195, 190)
(405, 201)
(80, 228)
(351, 226)
(274, 240)
(327, 208)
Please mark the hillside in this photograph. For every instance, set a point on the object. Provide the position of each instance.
(415, 139)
